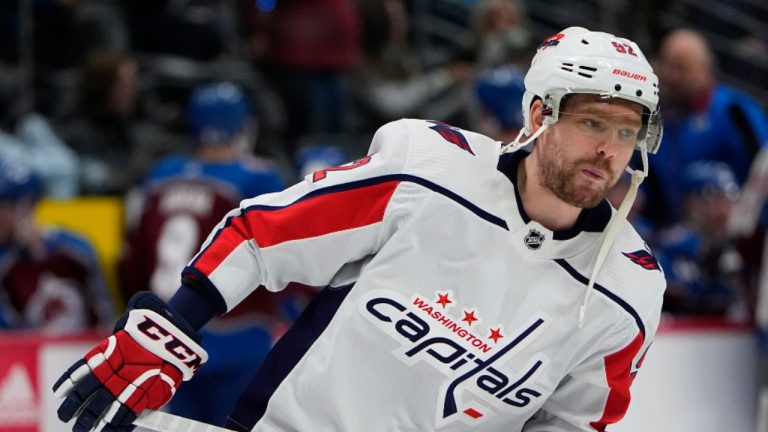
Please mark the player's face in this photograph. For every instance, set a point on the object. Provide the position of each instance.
(586, 151)
(15, 220)
(709, 213)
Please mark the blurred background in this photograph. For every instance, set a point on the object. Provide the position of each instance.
(129, 127)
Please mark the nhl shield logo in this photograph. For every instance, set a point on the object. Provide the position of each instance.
(534, 239)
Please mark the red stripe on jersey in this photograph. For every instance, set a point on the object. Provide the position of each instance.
(618, 371)
(307, 218)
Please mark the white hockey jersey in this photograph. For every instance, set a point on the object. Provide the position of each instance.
(447, 308)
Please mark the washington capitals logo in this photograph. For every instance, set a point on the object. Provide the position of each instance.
(551, 41)
(451, 134)
(643, 258)
(484, 364)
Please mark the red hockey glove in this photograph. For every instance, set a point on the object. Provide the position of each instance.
(139, 367)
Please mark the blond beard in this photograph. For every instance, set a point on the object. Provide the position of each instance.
(562, 177)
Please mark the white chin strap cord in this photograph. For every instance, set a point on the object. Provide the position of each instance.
(613, 228)
(616, 221)
(516, 144)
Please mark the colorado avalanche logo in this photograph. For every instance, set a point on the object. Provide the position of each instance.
(643, 258)
(451, 134)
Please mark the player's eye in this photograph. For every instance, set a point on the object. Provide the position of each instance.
(628, 134)
(592, 124)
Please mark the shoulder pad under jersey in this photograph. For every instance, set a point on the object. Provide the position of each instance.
(437, 152)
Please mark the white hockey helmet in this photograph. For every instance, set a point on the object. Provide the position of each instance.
(577, 60)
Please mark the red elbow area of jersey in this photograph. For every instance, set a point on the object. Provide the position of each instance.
(618, 372)
(310, 217)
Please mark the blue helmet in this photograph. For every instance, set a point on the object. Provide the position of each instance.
(706, 178)
(18, 182)
(315, 157)
(500, 91)
(217, 112)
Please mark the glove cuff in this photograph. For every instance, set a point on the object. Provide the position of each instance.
(148, 300)
(163, 339)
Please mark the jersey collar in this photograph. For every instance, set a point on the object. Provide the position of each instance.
(593, 220)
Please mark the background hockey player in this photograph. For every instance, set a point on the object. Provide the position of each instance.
(183, 199)
(50, 278)
(707, 270)
(464, 289)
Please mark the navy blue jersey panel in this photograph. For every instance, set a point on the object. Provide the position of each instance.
(285, 355)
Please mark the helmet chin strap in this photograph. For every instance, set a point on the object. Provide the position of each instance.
(516, 144)
(613, 227)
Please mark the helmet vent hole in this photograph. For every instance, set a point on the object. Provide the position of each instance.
(639, 93)
(585, 75)
(585, 42)
(617, 87)
(589, 68)
(568, 67)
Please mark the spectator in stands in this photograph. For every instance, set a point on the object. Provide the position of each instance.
(182, 199)
(705, 269)
(307, 49)
(391, 81)
(501, 32)
(195, 30)
(28, 137)
(61, 35)
(704, 120)
(114, 143)
(49, 278)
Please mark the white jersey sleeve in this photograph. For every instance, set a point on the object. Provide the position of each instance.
(597, 392)
(317, 232)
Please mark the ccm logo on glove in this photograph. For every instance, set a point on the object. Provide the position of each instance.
(159, 336)
(173, 345)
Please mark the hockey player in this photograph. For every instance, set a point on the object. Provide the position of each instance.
(464, 289)
(190, 194)
(183, 199)
(708, 272)
(50, 278)
(493, 113)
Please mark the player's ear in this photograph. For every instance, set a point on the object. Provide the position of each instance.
(536, 118)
